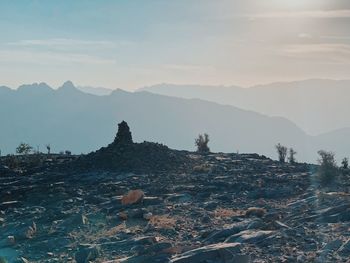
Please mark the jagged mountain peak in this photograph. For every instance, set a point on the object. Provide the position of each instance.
(35, 88)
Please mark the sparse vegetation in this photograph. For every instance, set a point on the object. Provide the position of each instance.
(328, 169)
(291, 157)
(163, 221)
(227, 213)
(48, 147)
(202, 143)
(282, 152)
(24, 148)
(345, 163)
(11, 161)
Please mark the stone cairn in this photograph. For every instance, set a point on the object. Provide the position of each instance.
(123, 136)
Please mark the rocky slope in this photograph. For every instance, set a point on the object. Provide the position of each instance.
(214, 208)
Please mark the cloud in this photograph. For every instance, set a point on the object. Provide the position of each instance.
(67, 43)
(342, 13)
(56, 51)
(49, 58)
(326, 52)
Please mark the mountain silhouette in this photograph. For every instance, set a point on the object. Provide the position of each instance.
(69, 119)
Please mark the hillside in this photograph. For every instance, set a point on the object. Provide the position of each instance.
(219, 207)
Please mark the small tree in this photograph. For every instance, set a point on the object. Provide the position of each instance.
(328, 169)
(282, 152)
(202, 143)
(291, 157)
(48, 147)
(23, 148)
(345, 163)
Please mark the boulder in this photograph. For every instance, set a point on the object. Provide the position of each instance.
(133, 197)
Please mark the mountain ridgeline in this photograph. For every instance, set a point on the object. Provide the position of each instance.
(316, 105)
(69, 119)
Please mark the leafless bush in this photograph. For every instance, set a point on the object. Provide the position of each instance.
(328, 169)
(202, 143)
(282, 152)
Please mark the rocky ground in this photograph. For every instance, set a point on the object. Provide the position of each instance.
(216, 207)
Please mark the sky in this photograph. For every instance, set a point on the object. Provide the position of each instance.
(131, 44)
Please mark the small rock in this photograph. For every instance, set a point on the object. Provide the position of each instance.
(31, 231)
(301, 258)
(123, 216)
(135, 213)
(147, 216)
(24, 260)
(84, 219)
(11, 240)
(206, 219)
(255, 211)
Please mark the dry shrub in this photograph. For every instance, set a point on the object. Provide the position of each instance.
(328, 169)
(162, 221)
(224, 212)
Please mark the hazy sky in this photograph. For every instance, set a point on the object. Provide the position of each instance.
(128, 44)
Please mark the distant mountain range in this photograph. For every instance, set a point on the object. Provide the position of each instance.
(316, 105)
(70, 119)
(100, 91)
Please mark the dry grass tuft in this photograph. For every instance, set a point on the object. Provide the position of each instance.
(162, 221)
(225, 212)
